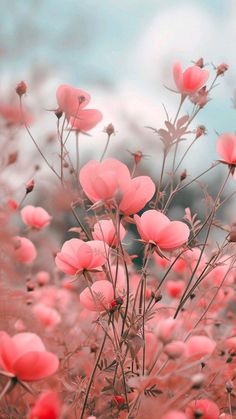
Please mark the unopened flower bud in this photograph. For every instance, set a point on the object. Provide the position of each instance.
(183, 175)
(137, 156)
(81, 99)
(29, 186)
(200, 130)
(156, 296)
(21, 88)
(199, 62)
(109, 129)
(119, 399)
(232, 234)
(198, 380)
(58, 113)
(221, 69)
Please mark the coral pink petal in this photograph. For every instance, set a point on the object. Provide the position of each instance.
(7, 351)
(99, 297)
(226, 147)
(100, 253)
(47, 406)
(105, 185)
(86, 120)
(173, 235)
(139, 192)
(194, 78)
(26, 342)
(150, 225)
(199, 345)
(178, 76)
(86, 177)
(36, 365)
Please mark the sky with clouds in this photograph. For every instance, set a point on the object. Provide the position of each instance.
(123, 49)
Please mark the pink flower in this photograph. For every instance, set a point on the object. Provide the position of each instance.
(205, 407)
(154, 227)
(191, 80)
(105, 230)
(13, 116)
(175, 288)
(25, 357)
(47, 316)
(76, 256)
(47, 406)
(35, 217)
(199, 345)
(98, 297)
(111, 180)
(72, 102)
(24, 250)
(226, 148)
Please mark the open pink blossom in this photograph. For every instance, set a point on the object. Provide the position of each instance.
(24, 250)
(155, 227)
(191, 80)
(167, 329)
(98, 297)
(76, 256)
(105, 230)
(12, 114)
(199, 345)
(47, 316)
(226, 148)
(35, 217)
(205, 408)
(47, 406)
(72, 102)
(25, 357)
(111, 180)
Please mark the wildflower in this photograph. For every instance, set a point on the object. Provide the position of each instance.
(24, 356)
(204, 408)
(76, 256)
(35, 217)
(72, 102)
(155, 227)
(199, 345)
(24, 250)
(191, 80)
(111, 180)
(47, 406)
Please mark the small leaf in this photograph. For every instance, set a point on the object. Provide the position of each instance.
(182, 121)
